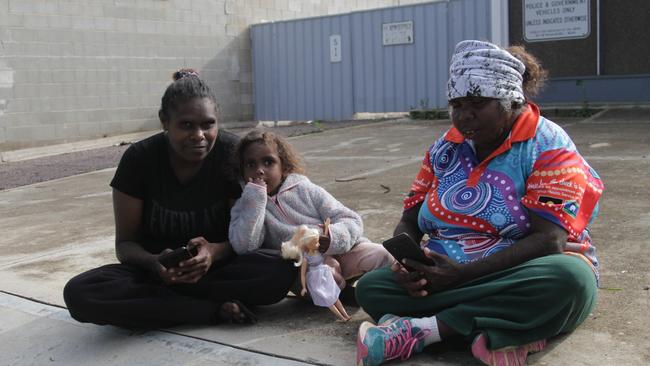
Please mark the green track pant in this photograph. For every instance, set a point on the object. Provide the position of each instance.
(535, 300)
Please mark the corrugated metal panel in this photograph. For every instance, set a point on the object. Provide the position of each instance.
(262, 66)
(294, 78)
(394, 78)
(292, 75)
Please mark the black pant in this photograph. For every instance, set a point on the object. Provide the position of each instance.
(128, 296)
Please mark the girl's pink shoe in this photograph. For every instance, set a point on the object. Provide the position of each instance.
(506, 356)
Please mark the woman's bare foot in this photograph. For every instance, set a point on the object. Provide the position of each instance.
(235, 312)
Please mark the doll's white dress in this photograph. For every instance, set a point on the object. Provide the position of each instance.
(321, 285)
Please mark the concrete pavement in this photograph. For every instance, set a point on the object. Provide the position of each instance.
(54, 230)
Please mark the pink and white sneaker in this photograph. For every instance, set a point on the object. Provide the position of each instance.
(392, 339)
(506, 356)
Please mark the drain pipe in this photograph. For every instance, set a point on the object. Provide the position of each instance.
(598, 37)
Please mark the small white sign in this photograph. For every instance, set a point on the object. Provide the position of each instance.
(550, 20)
(335, 48)
(397, 33)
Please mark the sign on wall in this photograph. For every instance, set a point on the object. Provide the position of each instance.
(335, 48)
(550, 20)
(397, 33)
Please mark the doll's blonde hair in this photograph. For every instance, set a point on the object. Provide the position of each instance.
(293, 248)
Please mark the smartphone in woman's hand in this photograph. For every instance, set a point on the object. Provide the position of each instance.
(403, 246)
(173, 258)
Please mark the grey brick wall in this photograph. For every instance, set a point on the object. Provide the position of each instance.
(74, 69)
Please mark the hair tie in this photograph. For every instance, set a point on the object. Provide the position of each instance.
(184, 73)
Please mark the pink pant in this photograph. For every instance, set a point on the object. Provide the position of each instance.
(362, 258)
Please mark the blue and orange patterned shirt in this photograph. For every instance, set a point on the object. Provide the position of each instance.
(473, 209)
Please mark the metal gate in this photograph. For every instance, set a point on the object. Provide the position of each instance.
(383, 60)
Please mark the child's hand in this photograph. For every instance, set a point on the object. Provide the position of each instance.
(323, 243)
(258, 181)
(326, 227)
(324, 240)
(303, 292)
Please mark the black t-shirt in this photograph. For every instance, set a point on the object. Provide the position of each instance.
(174, 213)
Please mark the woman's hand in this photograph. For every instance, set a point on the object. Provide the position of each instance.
(444, 275)
(303, 292)
(426, 279)
(191, 270)
(166, 275)
(412, 282)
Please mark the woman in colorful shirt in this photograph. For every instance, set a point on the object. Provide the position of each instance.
(505, 199)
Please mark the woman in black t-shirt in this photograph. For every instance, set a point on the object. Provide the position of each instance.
(171, 190)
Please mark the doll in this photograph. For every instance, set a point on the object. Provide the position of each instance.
(315, 275)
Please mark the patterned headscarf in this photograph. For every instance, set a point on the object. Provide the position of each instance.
(482, 69)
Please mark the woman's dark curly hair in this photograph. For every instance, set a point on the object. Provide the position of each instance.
(291, 161)
(534, 76)
(187, 85)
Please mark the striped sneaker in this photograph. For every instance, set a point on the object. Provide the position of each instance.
(396, 338)
(387, 319)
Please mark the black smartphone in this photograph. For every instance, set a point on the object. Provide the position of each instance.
(173, 258)
(403, 246)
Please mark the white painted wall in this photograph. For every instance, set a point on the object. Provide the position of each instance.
(75, 69)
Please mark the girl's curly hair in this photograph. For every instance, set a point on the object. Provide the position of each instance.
(291, 161)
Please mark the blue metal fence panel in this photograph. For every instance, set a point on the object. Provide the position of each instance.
(469, 19)
(596, 90)
(261, 58)
(395, 78)
(294, 78)
(292, 75)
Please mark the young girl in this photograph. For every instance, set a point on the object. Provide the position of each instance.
(314, 274)
(277, 198)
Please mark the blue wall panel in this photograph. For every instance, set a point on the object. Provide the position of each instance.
(293, 78)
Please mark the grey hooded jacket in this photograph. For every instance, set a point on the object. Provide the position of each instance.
(259, 221)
